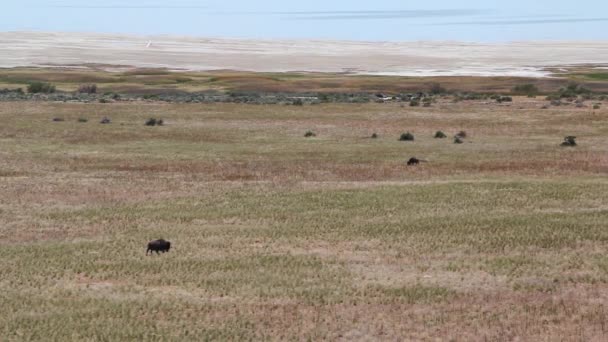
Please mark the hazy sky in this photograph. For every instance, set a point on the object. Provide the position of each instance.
(467, 20)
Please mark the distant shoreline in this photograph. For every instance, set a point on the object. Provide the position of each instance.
(423, 58)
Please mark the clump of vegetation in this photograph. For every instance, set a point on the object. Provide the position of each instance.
(154, 122)
(437, 89)
(310, 134)
(40, 87)
(87, 89)
(83, 120)
(414, 103)
(556, 103)
(18, 91)
(597, 106)
(440, 135)
(58, 119)
(501, 99)
(375, 136)
(298, 102)
(105, 121)
(573, 90)
(529, 90)
(569, 141)
(103, 101)
(427, 102)
(406, 137)
(458, 140)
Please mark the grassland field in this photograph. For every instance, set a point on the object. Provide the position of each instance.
(280, 237)
(128, 80)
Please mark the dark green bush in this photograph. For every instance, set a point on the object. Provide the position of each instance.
(414, 103)
(310, 134)
(40, 87)
(406, 137)
(573, 90)
(526, 89)
(458, 140)
(83, 120)
(375, 136)
(440, 135)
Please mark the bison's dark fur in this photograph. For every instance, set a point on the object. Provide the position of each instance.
(158, 246)
(413, 161)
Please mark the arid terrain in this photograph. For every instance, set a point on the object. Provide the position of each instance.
(521, 59)
(276, 236)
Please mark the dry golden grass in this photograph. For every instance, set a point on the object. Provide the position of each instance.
(161, 81)
(280, 237)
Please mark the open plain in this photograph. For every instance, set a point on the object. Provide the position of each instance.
(280, 237)
(422, 58)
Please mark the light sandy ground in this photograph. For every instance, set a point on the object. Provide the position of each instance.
(407, 58)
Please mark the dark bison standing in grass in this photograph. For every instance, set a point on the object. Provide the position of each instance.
(415, 161)
(158, 246)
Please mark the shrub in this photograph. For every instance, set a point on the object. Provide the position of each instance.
(83, 120)
(87, 89)
(406, 137)
(440, 135)
(556, 102)
(375, 136)
(526, 89)
(569, 141)
(298, 102)
(310, 134)
(596, 106)
(436, 89)
(458, 140)
(154, 122)
(573, 90)
(103, 101)
(40, 87)
(58, 119)
(414, 103)
(105, 121)
(501, 99)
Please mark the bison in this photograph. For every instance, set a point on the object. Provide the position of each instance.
(158, 246)
(415, 161)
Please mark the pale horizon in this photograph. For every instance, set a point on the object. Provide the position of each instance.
(385, 20)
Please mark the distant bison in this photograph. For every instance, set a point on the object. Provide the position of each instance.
(413, 161)
(158, 246)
